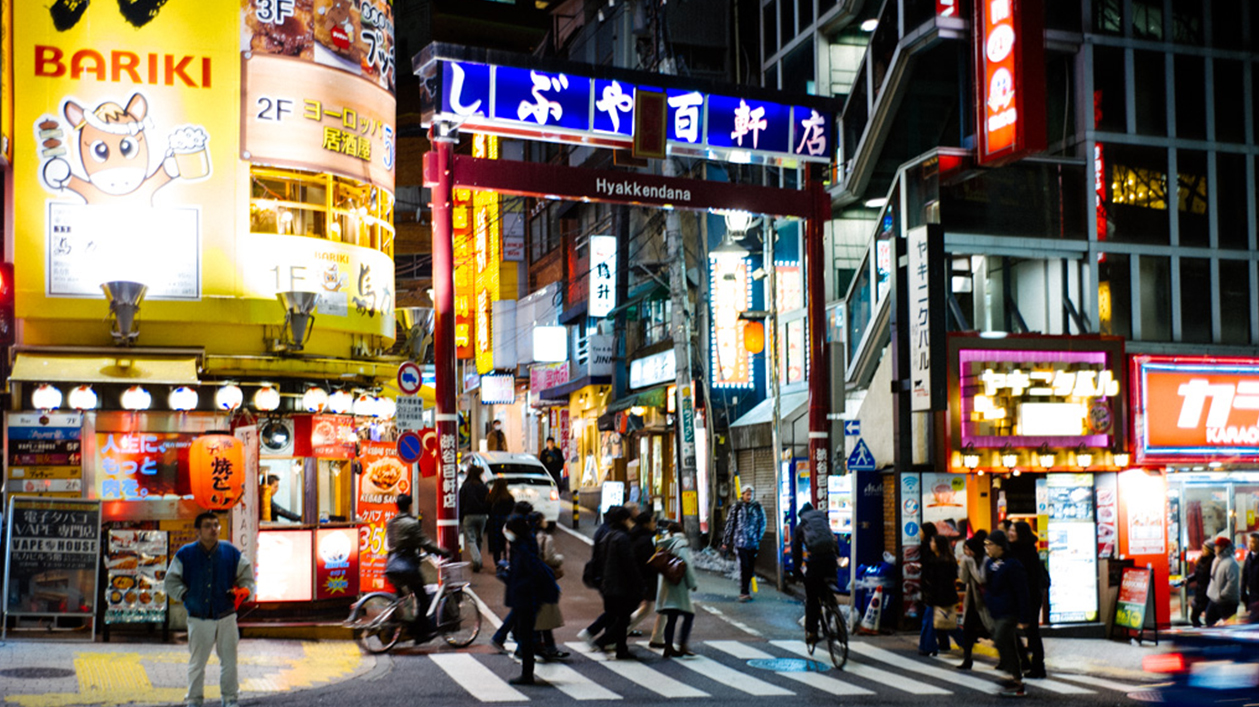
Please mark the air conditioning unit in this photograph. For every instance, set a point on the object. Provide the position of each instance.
(275, 437)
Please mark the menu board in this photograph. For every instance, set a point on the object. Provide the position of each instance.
(1107, 514)
(1072, 548)
(384, 476)
(53, 551)
(1134, 597)
(135, 590)
(839, 502)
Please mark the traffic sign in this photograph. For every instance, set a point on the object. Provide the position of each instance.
(861, 459)
(410, 447)
(409, 413)
(410, 378)
(852, 428)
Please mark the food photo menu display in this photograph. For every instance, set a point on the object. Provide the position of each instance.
(136, 563)
(1072, 548)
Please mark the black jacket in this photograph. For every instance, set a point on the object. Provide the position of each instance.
(1250, 579)
(529, 580)
(939, 581)
(1202, 579)
(643, 545)
(621, 576)
(553, 460)
(1006, 592)
(472, 498)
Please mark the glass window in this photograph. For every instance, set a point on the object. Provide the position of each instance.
(1108, 89)
(859, 308)
(1062, 16)
(798, 68)
(288, 495)
(1148, 76)
(1187, 22)
(768, 30)
(334, 490)
(1226, 23)
(289, 202)
(1147, 19)
(1191, 109)
(1137, 206)
(1230, 200)
(1230, 116)
(804, 9)
(1156, 302)
(1195, 300)
(1114, 294)
(786, 22)
(824, 6)
(1235, 302)
(1107, 16)
(1192, 198)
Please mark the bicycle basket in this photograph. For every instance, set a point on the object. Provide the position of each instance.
(453, 573)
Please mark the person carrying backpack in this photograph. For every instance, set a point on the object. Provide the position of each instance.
(813, 533)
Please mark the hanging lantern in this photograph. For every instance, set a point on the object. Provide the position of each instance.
(216, 463)
(340, 402)
(182, 399)
(315, 399)
(365, 405)
(754, 337)
(229, 397)
(267, 398)
(83, 398)
(136, 398)
(46, 397)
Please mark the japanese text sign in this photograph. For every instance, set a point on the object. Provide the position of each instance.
(336, 563)
(731, 295)
(141, 466)
(1009, 62)
(602, 275)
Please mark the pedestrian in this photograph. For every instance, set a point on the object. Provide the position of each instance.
(1201, 582)
(820, 566)
(745, 526)
(212, 578)
(1006, 597)
(1250, 581)
(530, 585)
(270, 508)
(500, 503)
(643, 544)
(621, 584)
(1225, 591)
(474, 513)
(592, 576)
(549, 616)
(927, 643)
(674, 600)
(940, 595)
(1023, 543)
(976, 622)
(503, 570)
(553, 459)
(407, 540)
(496, 440)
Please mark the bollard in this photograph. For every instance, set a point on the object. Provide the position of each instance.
(576, 510)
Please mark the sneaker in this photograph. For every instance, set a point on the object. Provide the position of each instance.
(498, 644)
(634, 633)
(745, 597)
(624, 655)
(586, 636)
(1014, 691)
(810, 638)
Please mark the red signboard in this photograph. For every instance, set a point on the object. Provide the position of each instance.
(336, 563)
(1010, 70)
(324, 436)
(946, 8)
(543, 376)
(1195, 408)
(384, 477)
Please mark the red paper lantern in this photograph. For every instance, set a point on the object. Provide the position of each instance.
(217, 466)
(754, 337)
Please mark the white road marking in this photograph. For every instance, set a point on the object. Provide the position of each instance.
(485, 610)
(949, 675)
(1104, 682)
(478, 680)
(573, 683)
(729, 677)
(737, 624)
(739, 649)
(895, 681)
(575, 534)
(638, 673)
(1061, 688)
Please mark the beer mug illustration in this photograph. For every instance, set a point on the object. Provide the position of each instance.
(192, 156)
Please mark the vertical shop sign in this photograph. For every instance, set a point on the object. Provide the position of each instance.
(602, 275)
(1107, 515)
(447, 475)
(245, 519)
(731, 295)
(911, 543)
(1009, 62)
(919, 320)
(384, 476)
(465, 271)
(487, 229)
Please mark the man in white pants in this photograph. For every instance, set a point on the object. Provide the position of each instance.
(207, 577)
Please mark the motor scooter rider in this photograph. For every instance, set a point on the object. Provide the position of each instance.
(406, 539)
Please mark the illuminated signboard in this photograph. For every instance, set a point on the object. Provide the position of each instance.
(498, 389)
(284, 572)
(141, 466)
(1029, 398)
(602, 275)
(1009, 61)
(356, 37)
(654, 369)
(487, 229)
(465, 272)
(336, 563)
(731, 289)
(1196, 408)
(564, 107)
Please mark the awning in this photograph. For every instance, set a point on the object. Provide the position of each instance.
(120, 368)
(656, 396)
(753, 429)
(645, 291)
(561, 392)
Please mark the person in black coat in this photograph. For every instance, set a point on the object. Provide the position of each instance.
(591, 633)
(1008, 604)
(1023, 543)
(1200, 581)
(622, 583)
(1250, 580)
(643, 543)
(501, 503)
(474, 513)
(530, 583)
(939, 588)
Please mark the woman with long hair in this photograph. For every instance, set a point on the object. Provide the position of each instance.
(1024, 545)
(976, 623)
(939, 574)
(501, 503)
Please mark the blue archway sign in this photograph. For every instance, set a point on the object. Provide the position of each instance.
(861, 459)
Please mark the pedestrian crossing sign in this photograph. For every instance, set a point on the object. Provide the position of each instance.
(861, 459)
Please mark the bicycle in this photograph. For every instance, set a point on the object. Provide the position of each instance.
(833, 629)
(382, 619)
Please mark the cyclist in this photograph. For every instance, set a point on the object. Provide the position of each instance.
(406, 539)
(813, 533)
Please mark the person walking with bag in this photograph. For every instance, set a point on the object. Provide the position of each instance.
(621, 585)
(813, 533)
(976, 622)
(673, 593)
(501, 504)
(592, 576)
(530, 585)
(745, 526)
(940, 595)
(1201, 582)
(1009, 605)
(549, 617)
(474, 513)
(643, 542)
(1023, 543)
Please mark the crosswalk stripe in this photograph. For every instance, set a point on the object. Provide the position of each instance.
(886, 656)
(1061, 688)
(573, 683)
(828, 684)
(895, 681)
(638, 673)
(1104, 682)
(730, 677)
(477, 679)
(739, 649)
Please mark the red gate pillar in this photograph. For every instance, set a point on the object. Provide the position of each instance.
(819, 364)
(438, 163)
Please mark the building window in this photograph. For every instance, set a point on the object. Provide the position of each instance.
(1147, 19)
(804, 9)
(1149, 80)
(1192, 198)
(1156, 301)
(769, 31)
(294, 203)
(1230, 201)
(656, 315)
(1235, 302)
(1108, 16)
(786, 22)
(1114, 294)
(1191, 98)
(1187, 22)
(1230, 116)
(798, 69)
(1226, 24)
(1136, 210)
(1108, 89)
(1195, 300)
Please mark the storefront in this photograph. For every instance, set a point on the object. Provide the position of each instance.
(1194, 422)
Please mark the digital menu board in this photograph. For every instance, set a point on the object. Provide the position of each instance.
(1072, 548)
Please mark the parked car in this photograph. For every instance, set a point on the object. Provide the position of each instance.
(527, 479)
(1215, 666)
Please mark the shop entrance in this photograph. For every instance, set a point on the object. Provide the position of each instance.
(1203, 506)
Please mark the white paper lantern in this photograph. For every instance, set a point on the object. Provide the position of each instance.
(46, 397)
(267, 398)
(136, 398)
(228, 397)
(315, 399)
(83, 398)
(182, 399)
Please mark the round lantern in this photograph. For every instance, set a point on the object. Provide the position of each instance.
(46, 397)
(83, 398)
(340, 402)
(315, 399)
(229, 397)
(754, 337)
(216, 464)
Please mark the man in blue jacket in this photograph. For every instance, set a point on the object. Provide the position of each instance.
(1009, 604)
(206, 576)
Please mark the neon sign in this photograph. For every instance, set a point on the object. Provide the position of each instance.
(1009, 60)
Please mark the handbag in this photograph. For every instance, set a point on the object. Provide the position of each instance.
(548, 618)
(668, 565)
(402, 563)
(944, 618)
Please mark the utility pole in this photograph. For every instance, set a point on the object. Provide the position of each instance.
(684, 421)
(768, 235)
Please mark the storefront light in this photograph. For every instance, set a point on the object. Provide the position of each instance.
(1083, 458)
(970, 459)
(182, 399)
(136, 398)
(46, 397)
(1009, 459)
(1121, 459)
(83, 398)
(340, 402)
(229, 397)
(1046, 459)
(638, 411)
(267, 398)
(315, 399)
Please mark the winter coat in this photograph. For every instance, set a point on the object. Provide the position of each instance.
(1006, 592)
(496, 441)
(203, 580)
(622, 578)
(405, 534)
(1250, 579)
(1225, 580)
(472, 497)
(1202, 579)
(529, 580)
(494, 527)
(815, 524)
(745, 526)
(677, 596)
(553, 460)
(643, 544)
(939, 581)
(546, 550)
(971, 572)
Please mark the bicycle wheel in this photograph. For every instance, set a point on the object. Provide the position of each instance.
(836, 636)
(379, 630)
(458, 619)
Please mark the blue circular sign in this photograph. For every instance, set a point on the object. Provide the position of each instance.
(911, 528)
(410, 447)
